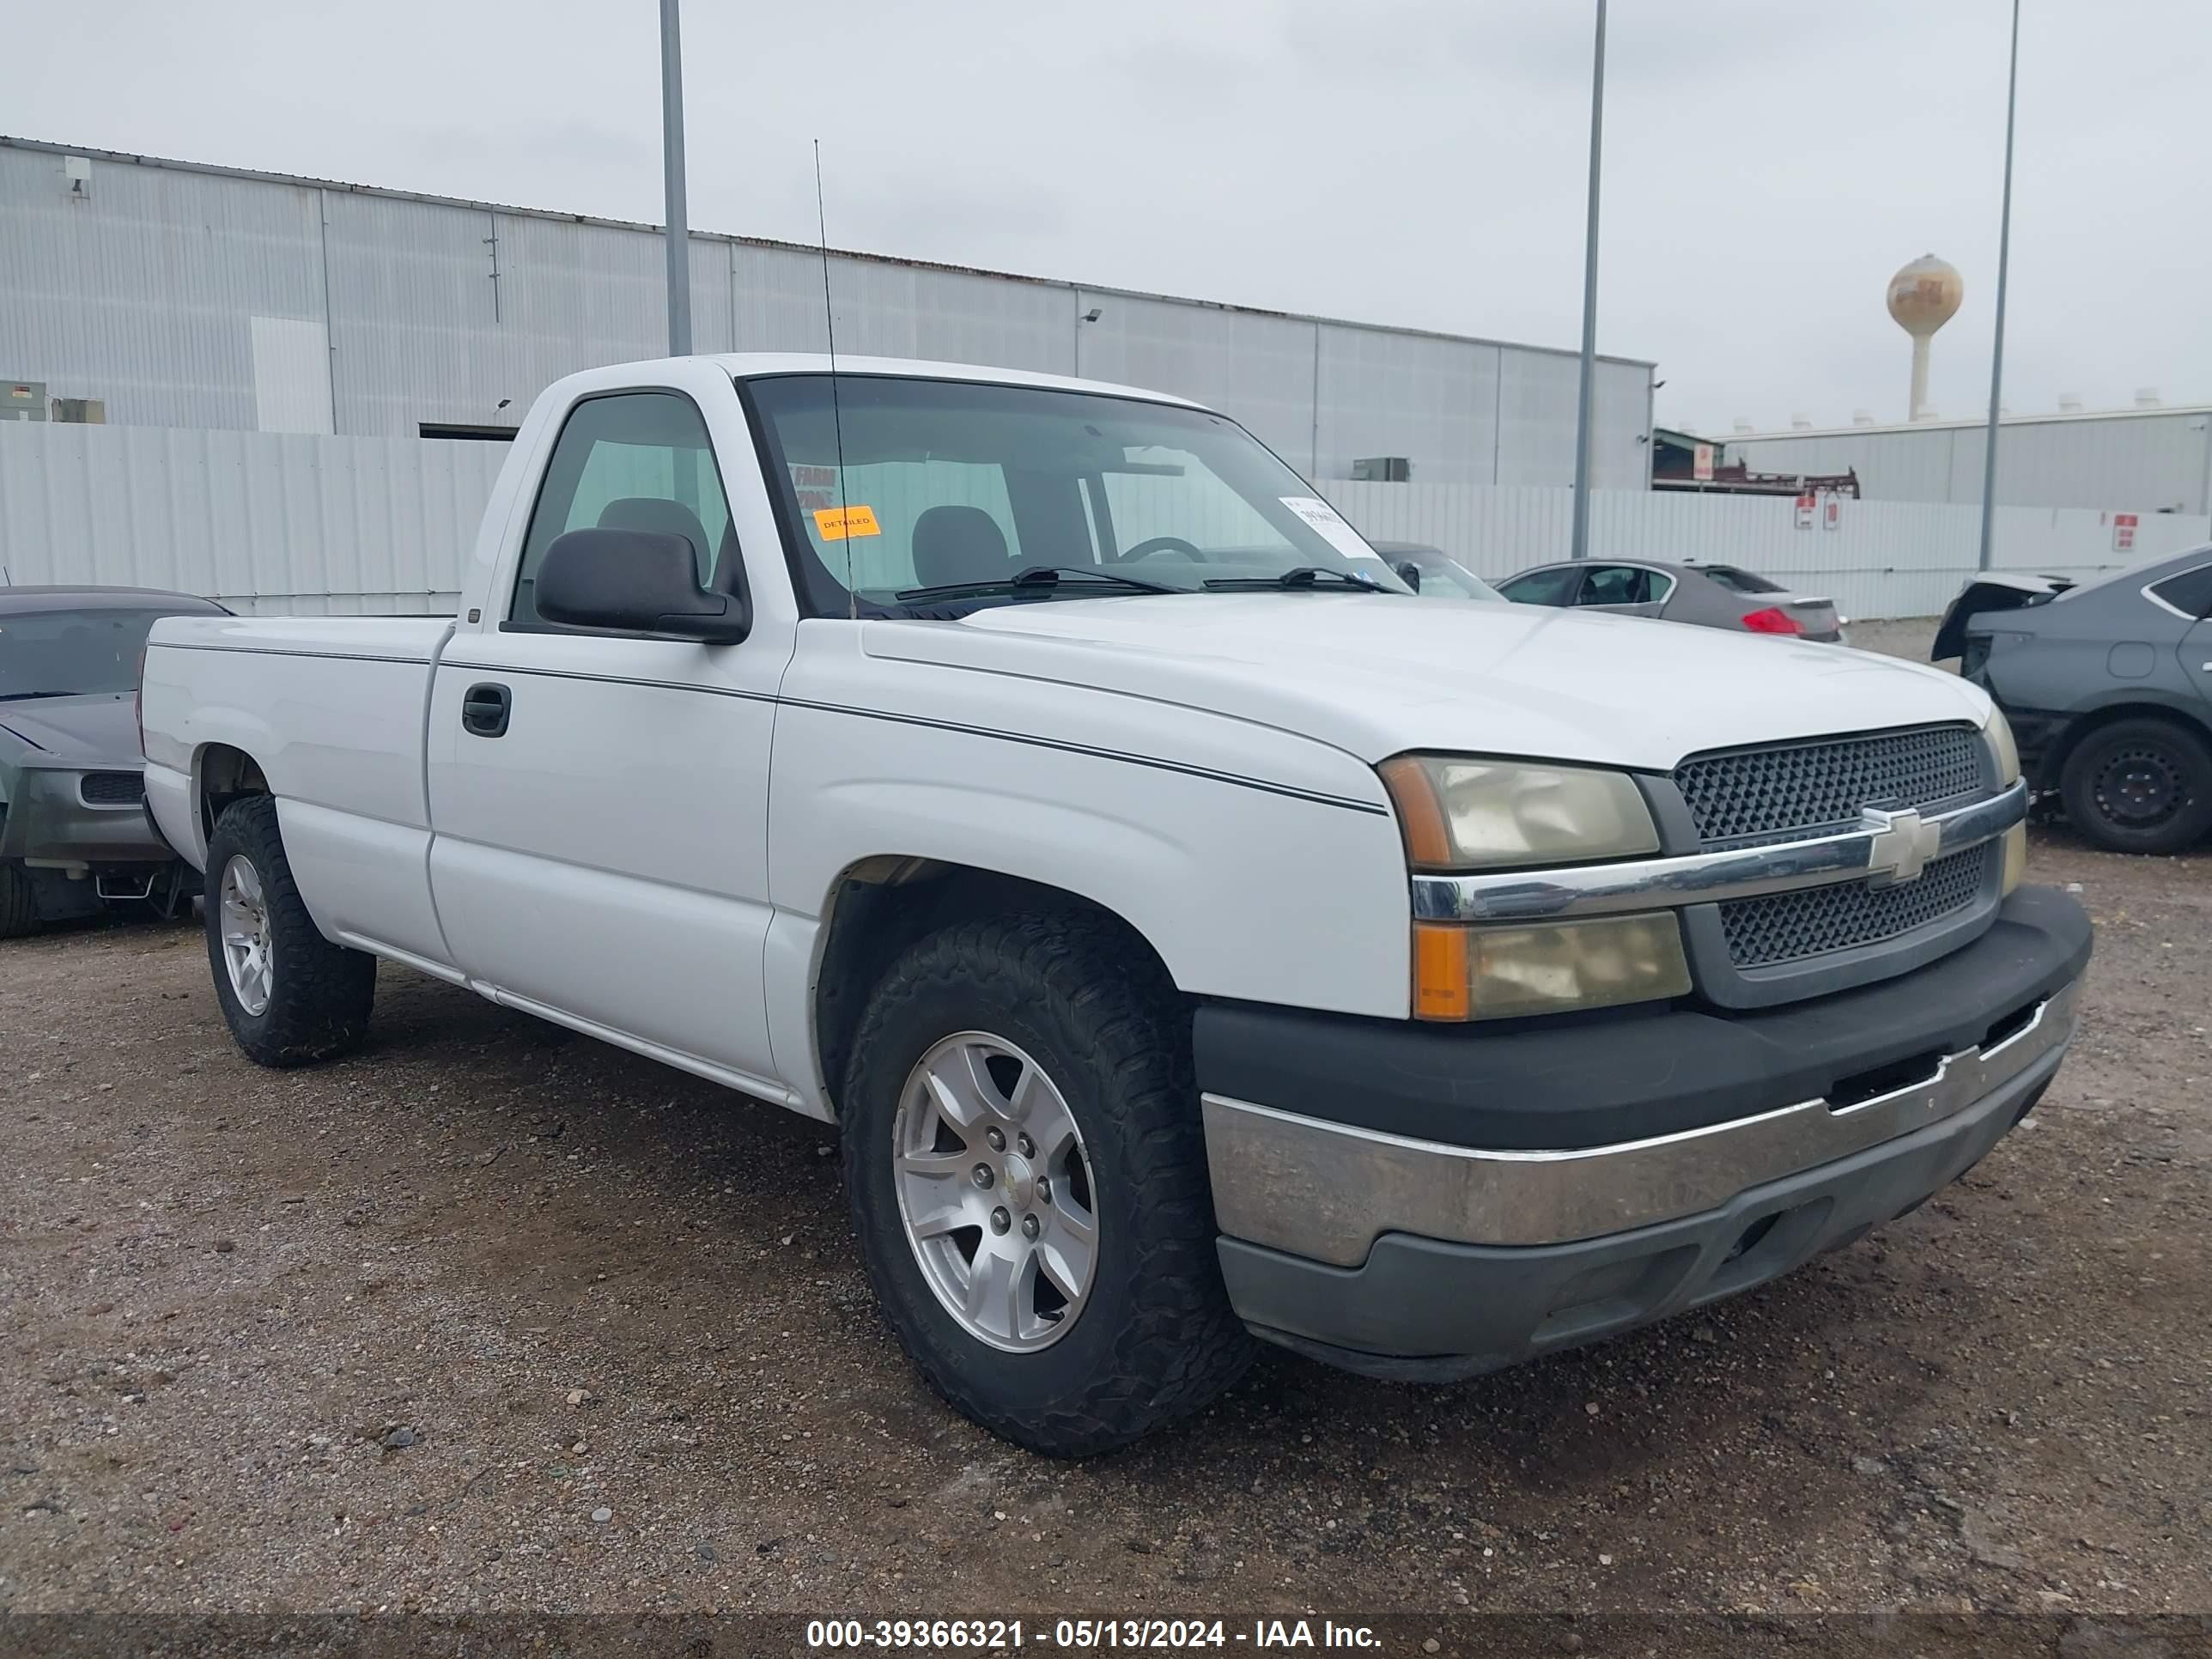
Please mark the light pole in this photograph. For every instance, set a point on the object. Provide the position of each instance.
(1580, 546)
(671, 163)
(1997, 350)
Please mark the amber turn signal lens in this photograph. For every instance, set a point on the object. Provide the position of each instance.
(1421, 815)
(1441, 983)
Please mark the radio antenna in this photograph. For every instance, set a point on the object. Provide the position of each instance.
(836, 413)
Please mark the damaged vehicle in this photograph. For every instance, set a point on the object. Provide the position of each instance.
(74, 839)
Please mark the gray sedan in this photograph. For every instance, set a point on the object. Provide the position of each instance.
(1709, 595)
(2109, 691)
(73, 834)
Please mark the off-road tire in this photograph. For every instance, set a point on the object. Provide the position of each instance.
(2167, 745)
(1155, 1340)
(19, 902)
(320, 993)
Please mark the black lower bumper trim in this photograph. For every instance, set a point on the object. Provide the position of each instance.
(1419, 1310)
(1600, 1079)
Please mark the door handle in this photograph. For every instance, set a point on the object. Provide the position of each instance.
(484, 709)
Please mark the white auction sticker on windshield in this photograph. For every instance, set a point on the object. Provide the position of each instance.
(1331, 524)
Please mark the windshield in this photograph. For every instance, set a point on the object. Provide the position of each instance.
(61, 654)
(908, 490)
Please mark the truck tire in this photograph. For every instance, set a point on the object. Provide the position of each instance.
(288, 995)
(1075, 1303)
(19, 902)
(2140, 785)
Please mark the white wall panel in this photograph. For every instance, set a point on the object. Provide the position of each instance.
(2160, 461)
(305, 524)
(1884, 558)
(1434, 402)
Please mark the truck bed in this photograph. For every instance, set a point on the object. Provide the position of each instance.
(332, 709)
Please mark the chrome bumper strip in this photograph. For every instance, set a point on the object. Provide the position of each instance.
(1887, 846)
(1327, 1191)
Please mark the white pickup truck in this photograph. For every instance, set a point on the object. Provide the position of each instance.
(1195, 935)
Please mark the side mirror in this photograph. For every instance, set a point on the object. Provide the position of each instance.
(638, 581)
(1409, 573)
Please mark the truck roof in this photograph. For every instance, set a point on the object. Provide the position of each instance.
(753, 365)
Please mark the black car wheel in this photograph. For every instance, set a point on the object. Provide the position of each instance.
(18, 903)
(2141, 785)
(289, 995)
(1028, 1178)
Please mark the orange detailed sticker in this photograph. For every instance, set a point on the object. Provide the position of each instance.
(836, 522)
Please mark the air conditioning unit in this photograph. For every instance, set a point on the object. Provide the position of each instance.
(1382, 469)
(81, 411)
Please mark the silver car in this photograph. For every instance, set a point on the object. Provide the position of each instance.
(74, 835)
(1709, 595)
(2109, 691)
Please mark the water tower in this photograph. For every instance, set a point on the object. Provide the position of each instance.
(1922, 297)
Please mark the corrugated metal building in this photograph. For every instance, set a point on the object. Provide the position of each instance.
(183, 295)
(2155, 459)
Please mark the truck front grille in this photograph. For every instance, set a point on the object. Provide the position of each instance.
(1751, 795)
(112, 788)
(1782, 927)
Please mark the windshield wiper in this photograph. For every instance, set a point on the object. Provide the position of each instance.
(25, 696)
(1039, 575)
(1303, 576)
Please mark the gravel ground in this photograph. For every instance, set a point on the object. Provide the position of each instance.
(493, 1317)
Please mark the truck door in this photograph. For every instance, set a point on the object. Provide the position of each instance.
(598, 802)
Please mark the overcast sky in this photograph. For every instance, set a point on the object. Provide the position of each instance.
(1768, 162)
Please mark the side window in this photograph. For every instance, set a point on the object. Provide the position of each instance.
(637, 460)
(2190, 592)
(1616, 584)
(1553, 587)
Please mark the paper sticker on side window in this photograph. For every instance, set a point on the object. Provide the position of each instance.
(836, 524)
(1331, 524)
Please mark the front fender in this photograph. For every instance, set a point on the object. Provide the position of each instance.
(1246, 889)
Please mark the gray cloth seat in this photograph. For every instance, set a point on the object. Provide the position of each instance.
(664, 518)
(959, 545)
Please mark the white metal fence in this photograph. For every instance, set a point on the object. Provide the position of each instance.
(1882, 558)
(325, 525)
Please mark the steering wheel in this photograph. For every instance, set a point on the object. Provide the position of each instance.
(1145, 549)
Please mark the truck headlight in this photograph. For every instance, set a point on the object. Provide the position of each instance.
(2006, 753)
(1497, 973)
(1477, 814)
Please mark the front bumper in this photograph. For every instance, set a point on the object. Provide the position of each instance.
(1445, 1253)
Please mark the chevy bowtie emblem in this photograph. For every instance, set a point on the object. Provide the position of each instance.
(1904, 841)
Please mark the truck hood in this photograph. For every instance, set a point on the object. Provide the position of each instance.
(1377, 675)
(98, 729)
